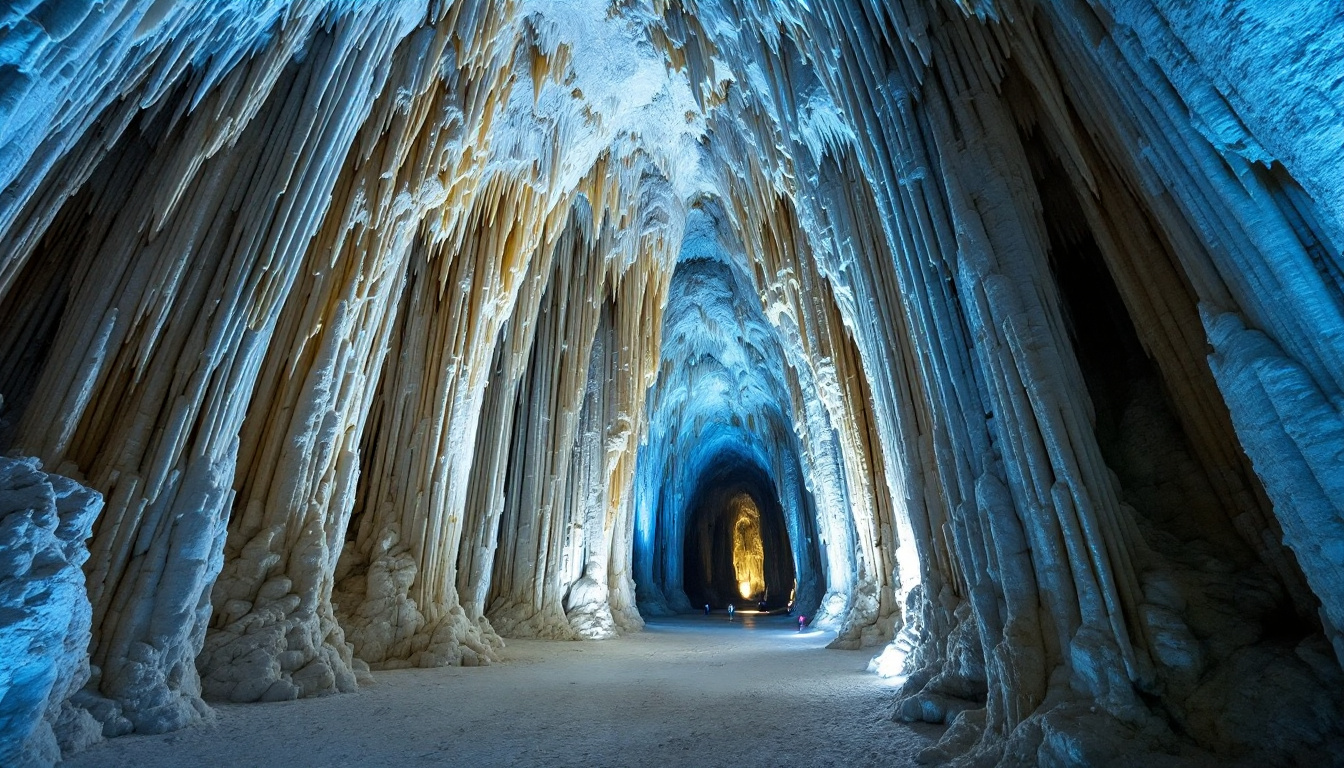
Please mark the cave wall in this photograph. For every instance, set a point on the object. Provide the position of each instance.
(388, 329)
(44, 522)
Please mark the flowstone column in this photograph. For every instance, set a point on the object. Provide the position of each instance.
(571, 454)
(397, 594)
(166, 334)
(485, 492)
(536, 555)
(586, 604)
(636, 340)
(274, 634)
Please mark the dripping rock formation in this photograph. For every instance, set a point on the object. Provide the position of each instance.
(1001, 338)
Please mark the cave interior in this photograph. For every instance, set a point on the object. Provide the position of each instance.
(1002, 340)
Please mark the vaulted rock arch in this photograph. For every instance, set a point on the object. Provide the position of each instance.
(338, 337)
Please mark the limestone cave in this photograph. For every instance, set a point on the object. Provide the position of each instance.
(423, 382)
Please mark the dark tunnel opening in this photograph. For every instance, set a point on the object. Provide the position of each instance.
(737, 544)
(1136, 422)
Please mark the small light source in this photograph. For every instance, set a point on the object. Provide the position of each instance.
(745, 588)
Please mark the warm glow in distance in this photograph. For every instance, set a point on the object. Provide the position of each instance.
(748, 550)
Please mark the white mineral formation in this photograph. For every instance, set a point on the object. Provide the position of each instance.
(45, 615)
(1004, 338)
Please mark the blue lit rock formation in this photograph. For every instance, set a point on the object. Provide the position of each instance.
(44, 638)
(387, 330)
(722, 421)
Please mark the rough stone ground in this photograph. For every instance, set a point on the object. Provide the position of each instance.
(687, 691)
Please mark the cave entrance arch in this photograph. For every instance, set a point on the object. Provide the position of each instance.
(737, 541)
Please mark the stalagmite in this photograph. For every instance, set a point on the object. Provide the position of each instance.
(1003, 339)
(44, 521)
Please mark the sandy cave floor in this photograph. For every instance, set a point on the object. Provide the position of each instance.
(686, 691)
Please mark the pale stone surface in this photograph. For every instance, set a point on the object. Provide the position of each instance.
(45, 617)
(689, 691)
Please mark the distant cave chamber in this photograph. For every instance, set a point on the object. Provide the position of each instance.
(737, 545)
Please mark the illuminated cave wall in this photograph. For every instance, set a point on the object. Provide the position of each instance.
(363, 334)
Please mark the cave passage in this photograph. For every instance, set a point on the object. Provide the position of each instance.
(724, 513)
(737, 544)
(1001, 340)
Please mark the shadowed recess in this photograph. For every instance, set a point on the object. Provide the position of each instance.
(737, 545)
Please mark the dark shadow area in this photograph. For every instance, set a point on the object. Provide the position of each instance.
(1137, 429)
(34, 307)
(718, 523)
(1180, 512)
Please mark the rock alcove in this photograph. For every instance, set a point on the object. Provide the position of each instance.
(737, 550)
(338, 337)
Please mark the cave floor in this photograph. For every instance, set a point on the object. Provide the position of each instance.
(686, 691)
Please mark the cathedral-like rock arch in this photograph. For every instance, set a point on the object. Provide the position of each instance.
(338, 337)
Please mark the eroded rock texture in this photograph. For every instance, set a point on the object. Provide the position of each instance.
(44, 633)
(390, 330)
